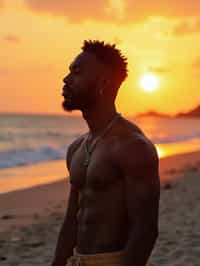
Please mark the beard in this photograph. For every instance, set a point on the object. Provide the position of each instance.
(80, 102)
(67, 106)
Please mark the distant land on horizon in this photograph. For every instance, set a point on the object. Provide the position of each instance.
(194, 113)
(154, 114)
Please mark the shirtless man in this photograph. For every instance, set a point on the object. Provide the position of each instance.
(114, 168)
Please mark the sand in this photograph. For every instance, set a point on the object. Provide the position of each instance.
(30, 219)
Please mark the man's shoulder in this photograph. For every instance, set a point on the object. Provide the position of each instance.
(132, 141)
(129, 133)
(75, 143)
(136, 142)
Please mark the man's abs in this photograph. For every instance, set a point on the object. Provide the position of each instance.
(102, 220)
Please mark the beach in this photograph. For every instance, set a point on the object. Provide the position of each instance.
(31, 218)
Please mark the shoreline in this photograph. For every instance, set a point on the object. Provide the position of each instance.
(21, 178)
(32, 176)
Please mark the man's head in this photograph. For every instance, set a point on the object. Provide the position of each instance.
(97, 72)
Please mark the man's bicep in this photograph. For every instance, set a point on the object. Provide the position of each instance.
(69, 153)
(142, 184)
(72, 206)
(142, 198)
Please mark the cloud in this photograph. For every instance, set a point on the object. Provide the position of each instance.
(170, 8)
(11, 38)
(186, 27)
(115, 10)
(75, 10)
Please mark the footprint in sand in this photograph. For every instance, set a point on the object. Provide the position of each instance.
(7, 217)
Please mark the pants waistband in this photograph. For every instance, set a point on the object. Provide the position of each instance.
(107, 258)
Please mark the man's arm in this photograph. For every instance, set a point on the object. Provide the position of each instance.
(139, 166)
(67, 235)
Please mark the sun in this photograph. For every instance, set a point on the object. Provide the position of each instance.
(149, 82)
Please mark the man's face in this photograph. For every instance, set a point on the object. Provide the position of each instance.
(82, 84)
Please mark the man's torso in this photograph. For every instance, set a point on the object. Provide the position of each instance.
(102, 220)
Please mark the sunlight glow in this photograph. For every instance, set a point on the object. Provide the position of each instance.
(161, 152)
(149, 82)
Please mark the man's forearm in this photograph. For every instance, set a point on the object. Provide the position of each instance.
(139, 247)
(65, 244)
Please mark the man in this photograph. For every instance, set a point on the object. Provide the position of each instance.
(113, 207)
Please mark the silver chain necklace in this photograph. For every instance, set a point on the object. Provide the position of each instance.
(88, 150)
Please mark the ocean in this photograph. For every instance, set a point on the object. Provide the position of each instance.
(29, 140)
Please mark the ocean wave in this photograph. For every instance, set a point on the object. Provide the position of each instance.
(177, 138)
(29, 156)
(23, 157)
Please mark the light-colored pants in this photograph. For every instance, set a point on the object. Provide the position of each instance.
(98, 259)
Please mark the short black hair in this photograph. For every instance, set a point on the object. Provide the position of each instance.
(110, 56)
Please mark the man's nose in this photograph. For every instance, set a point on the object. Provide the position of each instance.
(68, 80)
(65, 79)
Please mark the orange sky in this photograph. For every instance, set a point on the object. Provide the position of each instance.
(40, 38)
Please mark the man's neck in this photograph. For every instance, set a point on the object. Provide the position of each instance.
(98, 118)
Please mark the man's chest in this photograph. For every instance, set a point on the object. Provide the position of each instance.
(99, 171)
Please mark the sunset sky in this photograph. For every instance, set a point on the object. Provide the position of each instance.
(39, 39)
